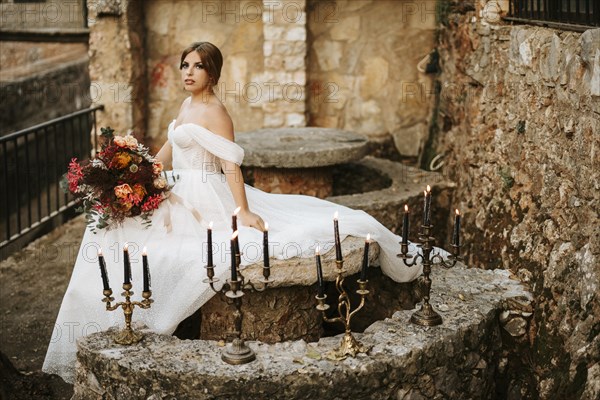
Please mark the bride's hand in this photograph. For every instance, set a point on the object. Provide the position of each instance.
(248, 218)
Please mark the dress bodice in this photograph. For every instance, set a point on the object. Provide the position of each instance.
(195, 147)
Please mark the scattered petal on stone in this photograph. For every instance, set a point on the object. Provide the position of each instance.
(311, 352)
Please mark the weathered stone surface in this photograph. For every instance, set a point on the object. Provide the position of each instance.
(405, 361)
(316, 182)
(406, 187)
(301, 147)
(362, 66)
(522, 146)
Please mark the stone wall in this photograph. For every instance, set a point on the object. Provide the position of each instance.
(235, 27)
(456, 360)
(519, 122)
(363, 74)
(345, 64)
(62, 15)
(117, 68)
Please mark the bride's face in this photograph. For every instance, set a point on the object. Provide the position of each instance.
(193, 73)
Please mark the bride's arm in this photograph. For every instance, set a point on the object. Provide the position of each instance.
(235, 180)
(165, 155)
(222, 125)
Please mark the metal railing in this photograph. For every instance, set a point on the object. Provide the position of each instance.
(568, 14)
(32, 162)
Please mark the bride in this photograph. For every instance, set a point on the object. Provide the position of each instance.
(202, 153)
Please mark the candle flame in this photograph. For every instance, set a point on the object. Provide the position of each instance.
(266, 226)
(428, 188)
(100, 251)
(406, 207)
(368, 237)
(126, 246)
(236, 211)
(210, 225)
(457, 212)
(235, 234)
(145, 251)
(317, 250)
(335, 215)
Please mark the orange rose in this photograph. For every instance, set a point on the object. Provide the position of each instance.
(139, 190)
(157, 167)
(123, 191)
(121, 160)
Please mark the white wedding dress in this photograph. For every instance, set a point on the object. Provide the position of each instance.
(176, 245)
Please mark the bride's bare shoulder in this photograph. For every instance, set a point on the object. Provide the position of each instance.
(219, 121)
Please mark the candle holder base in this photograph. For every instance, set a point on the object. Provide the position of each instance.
(349, 347)
(128, 336)
(426, 316)
(238, 353)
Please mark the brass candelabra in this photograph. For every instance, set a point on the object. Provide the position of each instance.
(127, 336)
(349, 346)
(427, 316)
(237, 352)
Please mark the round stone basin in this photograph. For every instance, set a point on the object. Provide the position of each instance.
(298, 160)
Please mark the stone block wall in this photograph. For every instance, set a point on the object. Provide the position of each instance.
(519, 122)
(235, 27)
(345, 64)
(362, 68)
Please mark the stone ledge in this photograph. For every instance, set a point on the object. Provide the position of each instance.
(455, 360)
(308, 147)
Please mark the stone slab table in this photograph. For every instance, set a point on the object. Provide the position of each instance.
(298, 160)
(456, 360)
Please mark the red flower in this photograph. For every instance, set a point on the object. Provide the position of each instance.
(74, 175)
(152, 203)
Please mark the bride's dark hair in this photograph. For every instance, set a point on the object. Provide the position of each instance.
(211, 58)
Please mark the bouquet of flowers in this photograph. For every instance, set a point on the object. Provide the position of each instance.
(123, 180)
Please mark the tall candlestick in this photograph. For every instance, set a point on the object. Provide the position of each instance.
(233, 261)
(455, 233)
(209, 243)
(338, 244)
(405, 225)
(266, 263)
(103, 273)
(126, 265)
(321, 291)
(146, 270)
(365, 261)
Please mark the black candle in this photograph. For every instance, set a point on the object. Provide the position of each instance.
(336, 232)
(455, 233)
(234, 219)
(209, 244)
(365, 262)
(428, 205)
(233, 258)
(266, 265)
(103, 273)
(319, 272)
(127, 265)
(146, 270)
(405, 225)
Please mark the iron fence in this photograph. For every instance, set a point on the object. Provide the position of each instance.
(569, 14)
(33, 161)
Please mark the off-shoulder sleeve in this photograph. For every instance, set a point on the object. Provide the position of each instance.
(215, 144)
